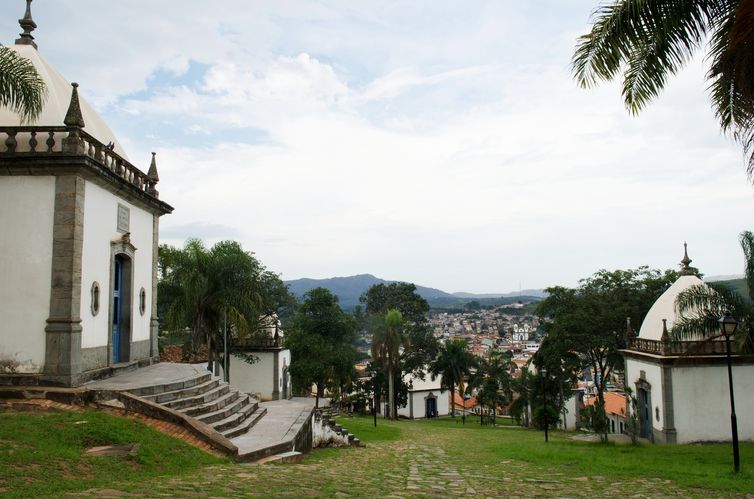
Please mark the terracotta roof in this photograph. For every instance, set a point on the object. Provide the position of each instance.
(615, 403)
(459, 402)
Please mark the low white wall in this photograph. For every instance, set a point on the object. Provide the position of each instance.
(324, 436)
(254, 378)
(27, 205)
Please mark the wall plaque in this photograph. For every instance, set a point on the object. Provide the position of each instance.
(124, 218)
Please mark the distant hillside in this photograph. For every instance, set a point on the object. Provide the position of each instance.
(349, 289)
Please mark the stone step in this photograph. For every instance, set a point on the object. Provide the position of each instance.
(246, 425)
(165, 397)
(283, 458)
(237, 405)
(198, 400)
(213, 405)
(235, 418)
(169, 387)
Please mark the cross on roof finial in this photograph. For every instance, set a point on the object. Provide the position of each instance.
(685, 267)
(28, 25)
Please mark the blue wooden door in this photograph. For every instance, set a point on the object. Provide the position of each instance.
(117, 306)
(431, 409)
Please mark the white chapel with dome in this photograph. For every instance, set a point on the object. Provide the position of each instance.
(78, 241)
(682, 386)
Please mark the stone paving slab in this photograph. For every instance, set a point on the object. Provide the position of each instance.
(281, 424)
(162, 373)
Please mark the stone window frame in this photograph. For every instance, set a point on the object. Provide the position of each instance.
(142, 301)
(96, 298)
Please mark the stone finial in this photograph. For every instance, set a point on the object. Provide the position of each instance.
(28, 25)
(153, 177)
(152, 173)
(665, 336)
(685, 263)
(73, 117)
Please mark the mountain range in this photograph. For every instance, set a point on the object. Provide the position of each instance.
(349, 289)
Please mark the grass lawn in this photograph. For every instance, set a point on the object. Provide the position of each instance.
(40, 454)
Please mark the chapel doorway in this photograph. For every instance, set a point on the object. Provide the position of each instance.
(121, 311)
(430, 407)
(645, 413)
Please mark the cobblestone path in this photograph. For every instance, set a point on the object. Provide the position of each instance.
(421, 463)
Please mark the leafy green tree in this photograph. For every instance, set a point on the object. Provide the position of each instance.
(522, 387)
(493, 381)
(591, 320)
(387, 340)
(320, 339)
(202, 288)
(645, 41)
(22, 90)
(420, 344)
(453, 363)
(701, 306)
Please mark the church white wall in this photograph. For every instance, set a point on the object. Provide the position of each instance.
(654, 378)
(27, 205)
(100, 229)
(701, 402)
(254, 378)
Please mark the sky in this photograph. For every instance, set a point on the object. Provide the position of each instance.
(438, 142)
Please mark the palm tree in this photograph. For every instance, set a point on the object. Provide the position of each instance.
(205, 288)
(453, 363)
(701, 306)
(21, 88)
(387, 340)
(648, 40)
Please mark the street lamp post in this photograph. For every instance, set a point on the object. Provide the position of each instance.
(728, 326)
(543, 373)
(373, 372)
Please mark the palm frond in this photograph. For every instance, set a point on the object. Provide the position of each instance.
(21, 88)
(652, 38)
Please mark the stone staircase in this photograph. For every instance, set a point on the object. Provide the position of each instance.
(209, 400)
(327, 416)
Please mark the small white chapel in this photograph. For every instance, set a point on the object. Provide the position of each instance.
(79, 230)
(682, 386)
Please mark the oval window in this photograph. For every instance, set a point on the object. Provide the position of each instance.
(95, 298)
(142, 301)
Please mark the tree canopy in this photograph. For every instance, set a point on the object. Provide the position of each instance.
(201, 289)
(646, 41)
(320, 339)
(454, 363)
(590, 321)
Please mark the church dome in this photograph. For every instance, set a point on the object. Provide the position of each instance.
(58, 100)
(664, 307)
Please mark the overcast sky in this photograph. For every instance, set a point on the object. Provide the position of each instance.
(439, 142)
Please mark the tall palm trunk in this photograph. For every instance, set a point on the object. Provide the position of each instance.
(391, 392)
(453, 399)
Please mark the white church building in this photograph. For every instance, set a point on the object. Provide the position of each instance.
(682, 386)
(78, 241)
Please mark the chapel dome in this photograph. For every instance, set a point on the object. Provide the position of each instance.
(57, 102)
(664, 307)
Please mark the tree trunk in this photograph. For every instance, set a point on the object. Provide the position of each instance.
(453, 399)
(391, 393)
(209, 354)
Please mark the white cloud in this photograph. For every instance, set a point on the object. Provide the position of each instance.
(437, 142)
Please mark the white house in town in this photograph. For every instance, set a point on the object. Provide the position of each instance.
(79, 225)
(682, 386)
(267, 375)
(426, 398)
